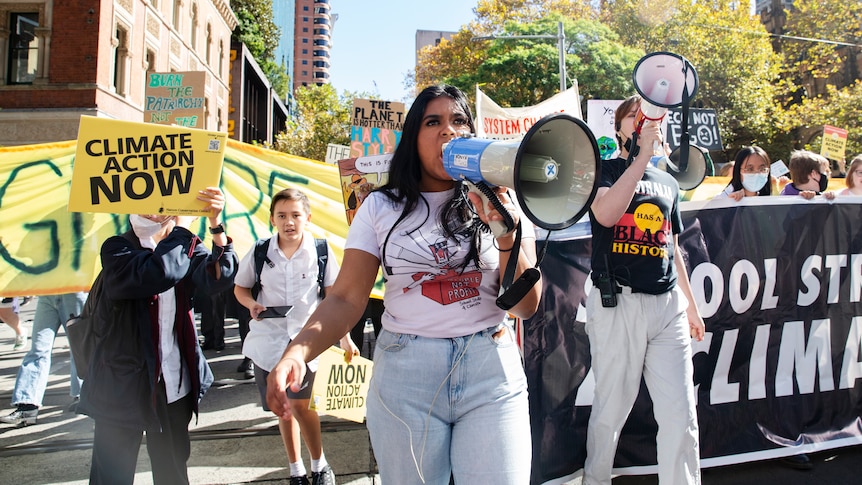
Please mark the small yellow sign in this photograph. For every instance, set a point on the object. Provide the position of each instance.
(122, 167)
(340, 388)
(834, 142)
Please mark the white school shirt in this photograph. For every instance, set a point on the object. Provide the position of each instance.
(288, 282)
(174, 373)
(427, 293)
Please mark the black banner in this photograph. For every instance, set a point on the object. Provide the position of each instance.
(779, 283)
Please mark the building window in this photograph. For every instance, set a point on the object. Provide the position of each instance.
(120, 43)
(305, 8)
(194, 36)
(304, 62)
(23, 48)
(209, 43)
(305, 51)
(305, 29)
(305, 41)
(218, 119)
(221, 58)
(176, 15)
(305, 19)
(151, 61)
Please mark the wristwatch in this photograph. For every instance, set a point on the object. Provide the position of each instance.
(217, 230)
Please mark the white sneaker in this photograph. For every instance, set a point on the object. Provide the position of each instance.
(20, 340)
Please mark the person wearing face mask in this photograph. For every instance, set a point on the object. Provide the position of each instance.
(750, 175)
(810, 174)
(147, 372)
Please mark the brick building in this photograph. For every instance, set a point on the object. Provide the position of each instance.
(60, 59)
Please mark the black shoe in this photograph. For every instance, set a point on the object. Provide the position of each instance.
(219, 346)
(323, 477)
(207, 345)
(798, 462)
(243, 366)
(298, 480)
(73, 406)
(249, 373)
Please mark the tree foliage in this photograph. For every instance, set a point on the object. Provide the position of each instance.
(730, 50)
(522, 72)
(813, 61)
(321, 117)
(257, 30)
(492, 15)
(837, 107)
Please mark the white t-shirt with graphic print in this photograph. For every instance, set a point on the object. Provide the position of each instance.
(427, 293)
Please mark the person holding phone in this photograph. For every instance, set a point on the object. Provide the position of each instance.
(289, 278)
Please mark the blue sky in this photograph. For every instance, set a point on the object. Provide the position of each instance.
(374, 41)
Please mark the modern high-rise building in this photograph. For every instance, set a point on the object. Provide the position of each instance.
(283, 14)
(312, 41)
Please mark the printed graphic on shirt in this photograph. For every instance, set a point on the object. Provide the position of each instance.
(644, 232)
(446, 283)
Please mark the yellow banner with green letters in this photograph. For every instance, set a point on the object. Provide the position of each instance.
(45, 249)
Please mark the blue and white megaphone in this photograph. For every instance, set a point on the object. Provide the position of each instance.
(553, 169)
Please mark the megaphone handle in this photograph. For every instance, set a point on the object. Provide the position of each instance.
(498, 228)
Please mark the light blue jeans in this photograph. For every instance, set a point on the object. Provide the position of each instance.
(51, 312)
(454, 405)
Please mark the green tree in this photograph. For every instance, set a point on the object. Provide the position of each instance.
(525, 72)
(257, 30)
(461, 57)
(730, 51)
(820, 76)
(813, 56)
(321, 117)
(522, 72)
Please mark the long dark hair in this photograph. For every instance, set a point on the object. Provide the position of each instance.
(741, 155)
(405, 174)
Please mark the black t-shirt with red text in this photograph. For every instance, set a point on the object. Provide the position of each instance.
(639, 248)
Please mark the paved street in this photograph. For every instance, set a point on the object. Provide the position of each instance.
(235, 441)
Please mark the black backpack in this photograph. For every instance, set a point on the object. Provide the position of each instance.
(81, 329)
(261, 246)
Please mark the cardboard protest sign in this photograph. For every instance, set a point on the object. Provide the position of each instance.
(335, 152)
(600, 119)
(359, 176)
(124, 167)
(834, 142)
(340, 388)
(175, 98)
(702, 128)
(377, 127)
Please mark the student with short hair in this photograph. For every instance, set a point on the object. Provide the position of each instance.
(809, 173)
(289, 277)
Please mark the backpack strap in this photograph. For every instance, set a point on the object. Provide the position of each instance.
(322, 259)
(261, 246)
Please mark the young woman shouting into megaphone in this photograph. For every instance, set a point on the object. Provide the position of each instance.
(448, 395)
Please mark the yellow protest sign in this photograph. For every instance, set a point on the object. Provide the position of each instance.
(834, 142)
(340, 388)
(122, 167)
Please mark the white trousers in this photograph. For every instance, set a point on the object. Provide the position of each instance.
(644, 335)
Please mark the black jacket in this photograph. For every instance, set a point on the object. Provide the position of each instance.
(124, 368)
